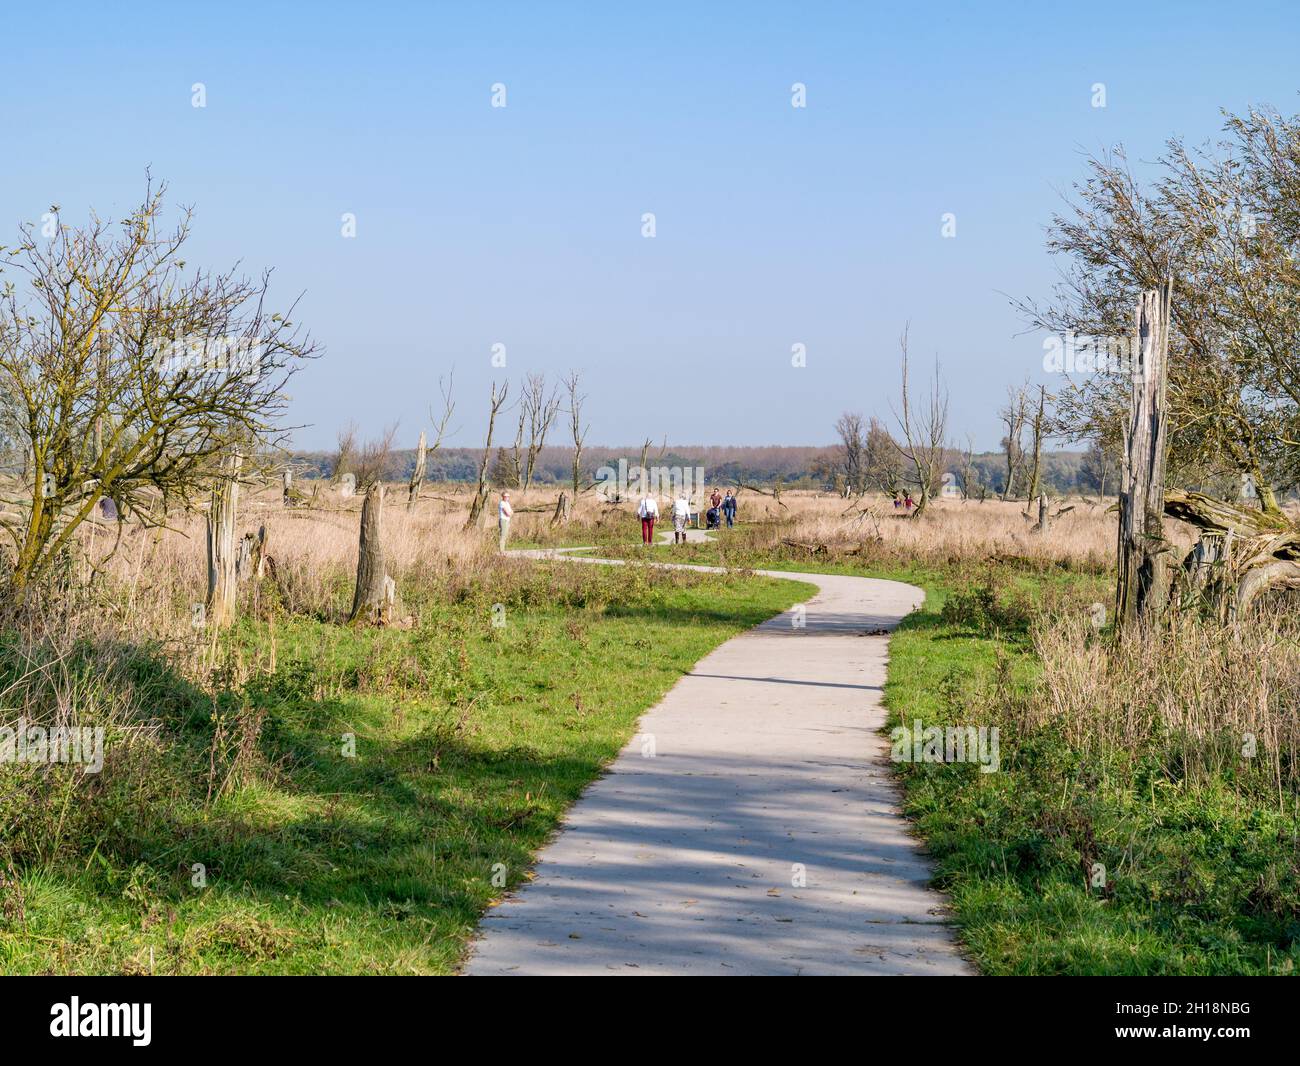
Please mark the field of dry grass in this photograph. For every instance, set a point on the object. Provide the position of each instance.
(1126, 755)
(156, 576)
(949, 529)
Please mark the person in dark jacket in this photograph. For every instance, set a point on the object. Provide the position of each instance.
(729, 508)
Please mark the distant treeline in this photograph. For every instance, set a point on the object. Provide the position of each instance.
(1063, 472)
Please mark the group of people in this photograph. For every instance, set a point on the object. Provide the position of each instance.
(721, 508)
(904, 502)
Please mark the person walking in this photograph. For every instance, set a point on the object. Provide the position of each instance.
(504, 513)
(715, 501)
(729, 508)
(648, 511)
(681, 515)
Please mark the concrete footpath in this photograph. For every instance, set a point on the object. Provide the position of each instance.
(761, 836)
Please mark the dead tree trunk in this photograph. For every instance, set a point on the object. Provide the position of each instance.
(1280, 573)
(1141, 590)
(1037, 428)
(1238, 554)
(219, 610)
(1209, 554)
(370, 599)
(572, 383)
(287, 482)
(481, 492)
(561, 510)
(1043, 520)
(417, 478)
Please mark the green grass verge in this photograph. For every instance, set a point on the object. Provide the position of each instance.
(471, 740)
(1066, 864)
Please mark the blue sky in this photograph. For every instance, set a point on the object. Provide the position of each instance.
(521, 225)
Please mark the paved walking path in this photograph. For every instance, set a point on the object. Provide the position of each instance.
(762, 837)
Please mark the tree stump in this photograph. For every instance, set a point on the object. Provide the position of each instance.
(561, 510)
(1141, 591)
(370, 600)
(222, 552)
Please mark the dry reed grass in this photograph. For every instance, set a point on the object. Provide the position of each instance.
(1213, 702)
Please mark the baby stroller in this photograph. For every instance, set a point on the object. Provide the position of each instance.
(712, 519)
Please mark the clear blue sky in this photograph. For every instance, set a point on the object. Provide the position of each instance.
(478, 225)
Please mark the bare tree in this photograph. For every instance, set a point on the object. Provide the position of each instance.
(515, 478)
(852, 447)
(1099, 468)
(371, 462)
(968, 474)
(345, 453)
(572, 385)
(882, 467)
(925, 431)
(417, 474)
(541, 407)
(126, 376)
(1038, 426)
(1013, 417)
(423, 450)
(496, 401)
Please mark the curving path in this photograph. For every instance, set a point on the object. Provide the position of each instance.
(762, 837)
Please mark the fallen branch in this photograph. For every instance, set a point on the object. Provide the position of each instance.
(811, 549)
(763, 492)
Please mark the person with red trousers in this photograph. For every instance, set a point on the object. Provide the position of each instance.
(648, 511)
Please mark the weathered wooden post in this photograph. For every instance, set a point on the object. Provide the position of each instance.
(222, 552)
(417, 477)
(369, 599)
(1141, 591)
(561, 510)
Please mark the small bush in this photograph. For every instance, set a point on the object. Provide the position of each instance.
(984, 609)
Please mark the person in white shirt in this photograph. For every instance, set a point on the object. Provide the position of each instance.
(504, 513)
(681, 515)
(648, 510)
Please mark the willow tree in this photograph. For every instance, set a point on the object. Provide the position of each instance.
(1224, 223)
(127, 374)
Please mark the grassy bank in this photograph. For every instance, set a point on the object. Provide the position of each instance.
(340, 800)
(1082, 859)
